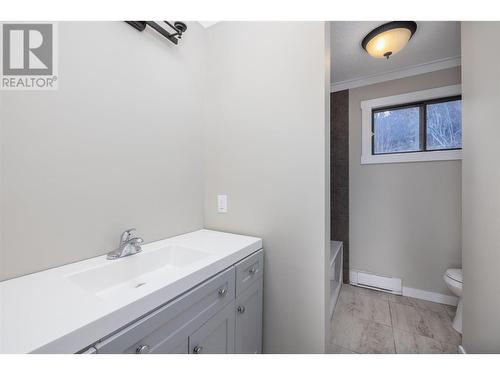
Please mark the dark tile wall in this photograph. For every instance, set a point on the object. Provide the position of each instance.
(339, 164)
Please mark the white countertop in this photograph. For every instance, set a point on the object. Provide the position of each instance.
(46, 312)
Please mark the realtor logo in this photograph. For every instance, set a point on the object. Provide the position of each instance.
(28, 56)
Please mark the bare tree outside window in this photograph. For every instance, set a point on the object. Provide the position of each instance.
(444, 125)
(396, 130)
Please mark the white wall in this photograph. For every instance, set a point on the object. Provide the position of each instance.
(118, 145)
(481, 186)
(265, 148)
(405, 218)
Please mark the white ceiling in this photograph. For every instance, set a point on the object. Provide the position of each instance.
(207, 24)
(433, 40)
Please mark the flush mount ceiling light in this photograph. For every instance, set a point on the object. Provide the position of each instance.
(389, 38)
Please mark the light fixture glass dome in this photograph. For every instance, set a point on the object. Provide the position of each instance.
(389, 39)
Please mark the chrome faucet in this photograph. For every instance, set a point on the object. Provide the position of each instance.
(130, 244)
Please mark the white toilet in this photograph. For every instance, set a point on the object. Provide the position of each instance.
(453, 278)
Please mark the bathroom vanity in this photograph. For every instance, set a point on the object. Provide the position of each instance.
(222, 315)
(196, 293)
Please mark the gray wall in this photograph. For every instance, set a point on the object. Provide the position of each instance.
(267, 140)
(118, 145)
(481, 186)
(405, 218)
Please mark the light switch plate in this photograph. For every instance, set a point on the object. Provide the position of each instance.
(222, 204)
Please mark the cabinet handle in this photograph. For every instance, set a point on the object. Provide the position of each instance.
(252, 270)
(197, 349)
(241, 309)
(222, 292)
(143, 349)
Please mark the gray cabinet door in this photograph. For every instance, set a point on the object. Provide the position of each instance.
(178, 344)
(216, 336)
(248, 330)
(179, 347)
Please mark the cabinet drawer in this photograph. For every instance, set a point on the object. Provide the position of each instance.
(248, 270)
(160, 330)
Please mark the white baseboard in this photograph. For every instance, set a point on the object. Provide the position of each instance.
(430, 296)
(394, 285)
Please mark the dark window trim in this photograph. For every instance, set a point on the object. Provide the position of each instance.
(422, 105)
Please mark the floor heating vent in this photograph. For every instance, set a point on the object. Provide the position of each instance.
(369, 280)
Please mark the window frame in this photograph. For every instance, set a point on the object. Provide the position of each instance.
(419, 99)
(422, 122)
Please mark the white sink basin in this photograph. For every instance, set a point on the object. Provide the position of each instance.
(135, 270)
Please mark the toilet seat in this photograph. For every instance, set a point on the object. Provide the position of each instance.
(453, 277)
(455, 274)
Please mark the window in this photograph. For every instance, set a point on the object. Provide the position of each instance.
(444, 125)
(396, 130)
(420, 126)
(417, 127)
